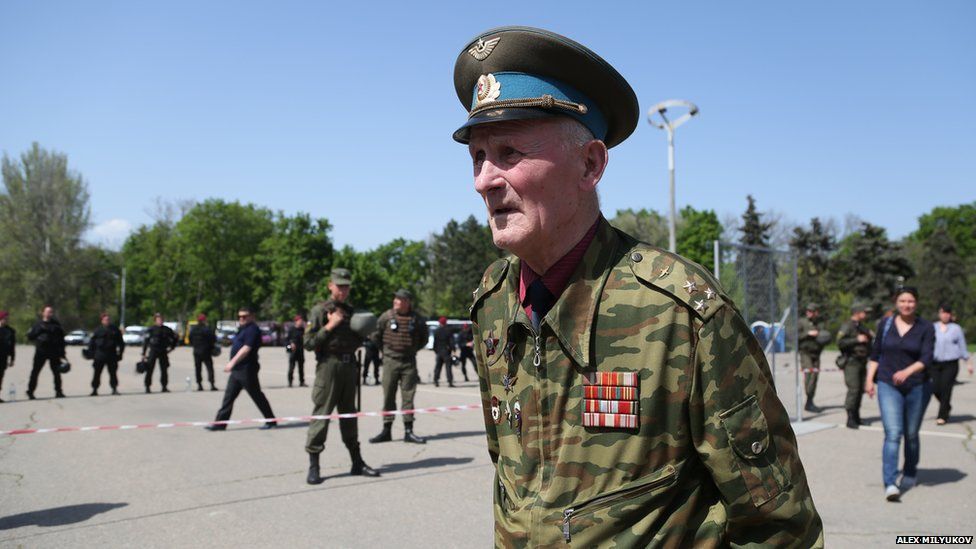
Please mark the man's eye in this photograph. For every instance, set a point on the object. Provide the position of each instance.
(509, 152)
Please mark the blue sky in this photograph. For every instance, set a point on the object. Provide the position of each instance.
(345, 110)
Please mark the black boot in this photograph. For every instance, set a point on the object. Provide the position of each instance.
(811, 407)
(213, 387)
(313, 470)
(408, 436)
(852, 420)
(385, 435)
(199, 386)
(359, 467)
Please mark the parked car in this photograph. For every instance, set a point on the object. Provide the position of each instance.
(134, 335)
(77, 337)
(225, 336)
(270, 335)
(452, 323)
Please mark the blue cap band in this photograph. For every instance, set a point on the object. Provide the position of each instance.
(519, 85)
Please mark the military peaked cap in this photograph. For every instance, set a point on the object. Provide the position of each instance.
(518, 73)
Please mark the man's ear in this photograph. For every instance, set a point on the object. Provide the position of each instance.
(595, 157)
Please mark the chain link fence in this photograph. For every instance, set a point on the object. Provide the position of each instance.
(763, 284)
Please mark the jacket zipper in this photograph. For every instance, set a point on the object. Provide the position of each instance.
(588, 506)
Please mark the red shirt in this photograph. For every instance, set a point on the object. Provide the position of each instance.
(557, 277)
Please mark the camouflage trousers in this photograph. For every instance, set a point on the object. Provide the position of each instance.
(335, 387)
(855, 372)
(399, 372)
(810, 362)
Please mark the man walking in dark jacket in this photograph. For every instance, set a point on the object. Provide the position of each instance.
(48, 337)
(243, 368)
(444, 349)
(204, 341)
(106, 347)
(160, 340)
(296, 351)
(8, 346)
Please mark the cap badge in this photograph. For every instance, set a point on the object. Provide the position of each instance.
(483, 48)
(488, 89)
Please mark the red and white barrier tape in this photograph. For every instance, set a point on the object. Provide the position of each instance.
(808, 370)
(432, 410)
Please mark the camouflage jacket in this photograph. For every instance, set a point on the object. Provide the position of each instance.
(704, 454)
(341, 340)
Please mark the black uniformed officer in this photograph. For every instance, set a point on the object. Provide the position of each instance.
(48, 336)
(371, 355)
(444, 349)
(204, 341)
(296, 351)
(160, 340)
(8, 346)
(331, 337)
(106, 346)
(243, 368)
(466, 346)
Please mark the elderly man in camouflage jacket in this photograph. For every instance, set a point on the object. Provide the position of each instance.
(626, 401)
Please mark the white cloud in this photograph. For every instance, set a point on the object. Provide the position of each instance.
(111, 233)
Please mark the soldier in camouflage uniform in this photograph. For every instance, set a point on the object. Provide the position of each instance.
(854, 341)
(334, 342)
(626, 401)
(400, 332)
(809, 333)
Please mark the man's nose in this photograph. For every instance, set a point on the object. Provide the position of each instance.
(488, 178)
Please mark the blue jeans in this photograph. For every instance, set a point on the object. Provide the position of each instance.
(901, 414)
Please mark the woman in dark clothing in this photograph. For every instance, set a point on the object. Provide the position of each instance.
(897, 371)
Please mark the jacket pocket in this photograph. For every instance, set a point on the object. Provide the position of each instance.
(755, 458)
(629, 493)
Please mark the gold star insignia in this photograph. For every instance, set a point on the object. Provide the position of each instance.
(701, 306)
(710, 293)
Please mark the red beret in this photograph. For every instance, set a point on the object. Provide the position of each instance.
(4, 314)
(442, 320)
(201, 317)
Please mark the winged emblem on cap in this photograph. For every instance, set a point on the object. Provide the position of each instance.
(483, 48)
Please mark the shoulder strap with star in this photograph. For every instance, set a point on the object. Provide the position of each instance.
(493, 277)
(686, 281)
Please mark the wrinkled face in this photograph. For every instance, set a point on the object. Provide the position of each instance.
(401, 305)
(47, 313)
(905, 304)
(527, 174)
(340, 292)
(945, 317)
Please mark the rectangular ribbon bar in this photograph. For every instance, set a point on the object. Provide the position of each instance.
(625, 421)
(612, 379)
(602, 392)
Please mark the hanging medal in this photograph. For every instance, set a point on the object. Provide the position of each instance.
(496, 411)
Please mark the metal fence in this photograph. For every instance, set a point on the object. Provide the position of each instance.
(763, 284)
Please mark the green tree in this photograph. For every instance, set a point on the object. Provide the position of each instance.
(44, 213)
(155, 278)
(943, 276)
(218, 244)
(813, 248)
(459, 255)
(291, 264)
(958, 221)
(696, 235)
(645, 225)
(756, 268)
(869, 266)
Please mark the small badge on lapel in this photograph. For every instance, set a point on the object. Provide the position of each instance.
(517, 419)
(508, 381)
(491, 344)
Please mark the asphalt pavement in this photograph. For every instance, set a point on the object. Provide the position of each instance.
(184, 486)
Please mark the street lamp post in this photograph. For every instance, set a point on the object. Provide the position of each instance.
(661, 109)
